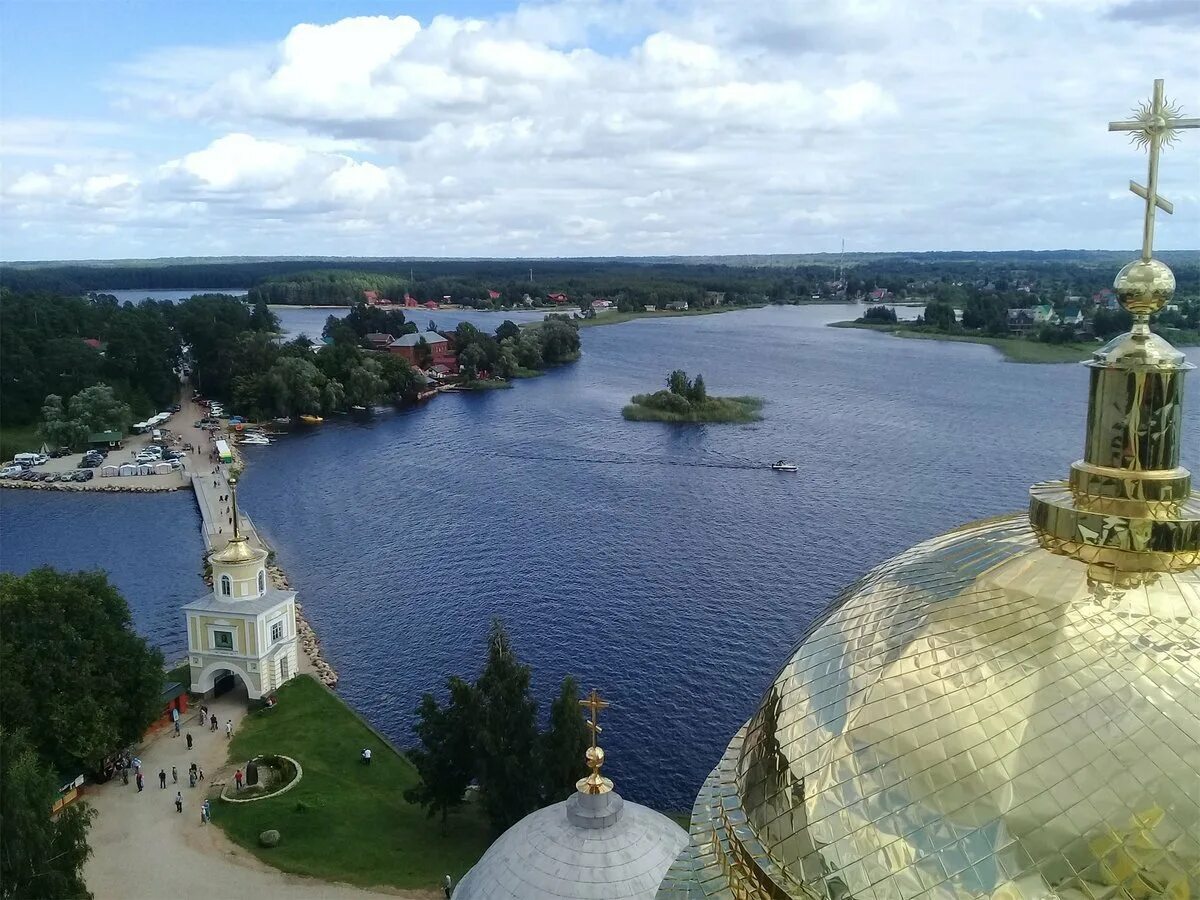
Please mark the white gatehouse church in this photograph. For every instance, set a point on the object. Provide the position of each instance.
(245, 628)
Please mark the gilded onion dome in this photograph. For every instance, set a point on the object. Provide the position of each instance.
(1011, 710)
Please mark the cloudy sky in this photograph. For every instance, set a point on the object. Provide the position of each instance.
(584, 127)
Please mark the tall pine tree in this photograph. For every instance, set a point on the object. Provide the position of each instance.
(506, 735)
(446, 758)
(564, 745)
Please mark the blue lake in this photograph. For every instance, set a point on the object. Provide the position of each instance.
(666, 566)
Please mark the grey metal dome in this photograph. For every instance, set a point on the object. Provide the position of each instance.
(588, 847)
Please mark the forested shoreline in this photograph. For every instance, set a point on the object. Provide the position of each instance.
(731, 280)
(77, 365)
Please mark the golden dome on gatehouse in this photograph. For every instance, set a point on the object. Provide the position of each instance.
(1010, 710)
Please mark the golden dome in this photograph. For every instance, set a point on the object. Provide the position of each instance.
(237, 552)
(977, 717)
(1009, 711)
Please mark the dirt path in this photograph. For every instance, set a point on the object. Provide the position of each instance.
(145, 850)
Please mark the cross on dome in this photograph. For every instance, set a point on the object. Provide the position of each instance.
(594, 783)
(1153, 125)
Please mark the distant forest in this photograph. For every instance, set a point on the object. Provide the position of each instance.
(743, 279)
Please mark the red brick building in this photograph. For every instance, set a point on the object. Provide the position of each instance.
(441, 350)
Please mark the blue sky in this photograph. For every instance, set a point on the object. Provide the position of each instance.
(583, 127)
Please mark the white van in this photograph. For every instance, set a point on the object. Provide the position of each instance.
(10, 471)
(28, 459)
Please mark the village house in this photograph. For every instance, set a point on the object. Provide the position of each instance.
(1020, 321)
(714, 298)
(441, 350)
(880, 295)
(678, 305)
(373, 298)
(1072, 315)
(410, 301)
(557, 298)
(600, 305)
(379, 340)
(493, 295)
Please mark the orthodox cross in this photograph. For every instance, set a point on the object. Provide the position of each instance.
(1153, 126)
(594, 703)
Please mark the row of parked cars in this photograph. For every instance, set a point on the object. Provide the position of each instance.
(16, 473)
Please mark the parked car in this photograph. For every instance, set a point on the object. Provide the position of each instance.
(10, 471)
(85, 476)
(175, 407)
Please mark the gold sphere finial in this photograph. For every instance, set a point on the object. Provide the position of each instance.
(1145, 286)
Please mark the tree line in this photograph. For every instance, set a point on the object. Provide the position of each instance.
(486, 733)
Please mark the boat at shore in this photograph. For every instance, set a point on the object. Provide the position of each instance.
(255, 440)
(311, 420)
(784, 466)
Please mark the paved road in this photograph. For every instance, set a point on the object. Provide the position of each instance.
(144, 850)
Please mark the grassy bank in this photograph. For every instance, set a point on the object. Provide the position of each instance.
(344, 821)
(16, 439)
(616, 318)
(1018, 350)
(735, 410)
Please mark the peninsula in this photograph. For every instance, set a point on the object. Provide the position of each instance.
(687, 401)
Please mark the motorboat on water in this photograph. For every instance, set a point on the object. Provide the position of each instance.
(784, 466)
(255, 440)
(311, 420)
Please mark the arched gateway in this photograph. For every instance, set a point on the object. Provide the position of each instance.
(244, 628)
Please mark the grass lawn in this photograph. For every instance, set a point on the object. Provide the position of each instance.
(16, 439)
(1018, 350)
(344, 821)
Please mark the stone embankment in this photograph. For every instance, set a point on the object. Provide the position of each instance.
(310, 644)
(88, 486)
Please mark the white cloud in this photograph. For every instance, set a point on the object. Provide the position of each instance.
(634, 126)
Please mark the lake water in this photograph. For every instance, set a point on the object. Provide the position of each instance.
(666, 566)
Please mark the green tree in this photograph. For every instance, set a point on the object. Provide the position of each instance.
(529, 350)
(97, 408)
(506, 736)
(507, 329)
(445, 760)
(472, 361)
(677, 383)
(697, 392)
(365, 385)
(297, 384)
(78, 680)
(940, 316)
(559, 338)
(41, 857)
(563, 746)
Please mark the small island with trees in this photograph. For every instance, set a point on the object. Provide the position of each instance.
(687, 400)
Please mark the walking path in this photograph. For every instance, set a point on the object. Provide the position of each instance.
(145, 850)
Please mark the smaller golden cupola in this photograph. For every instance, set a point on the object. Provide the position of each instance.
(239, 569)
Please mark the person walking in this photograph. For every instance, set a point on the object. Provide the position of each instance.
(228, 729)
(448, 886)
(174, 775)
(192, 777)
(189, 740)
(176, 734)
(204, 813)
(140, 782)
(162, 779)
(125, 774)
(213, 721)
(200, 777)
(237, 779)
(179, 801)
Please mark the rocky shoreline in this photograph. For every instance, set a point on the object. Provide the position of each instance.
(310, 644)
(87, 486)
